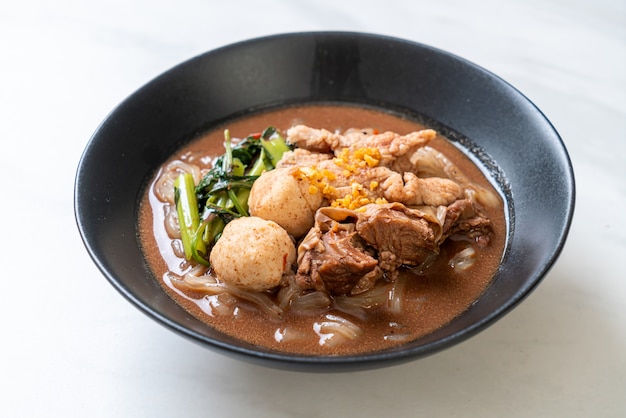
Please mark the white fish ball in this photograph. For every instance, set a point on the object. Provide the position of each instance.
(253, 254)
(279, 196)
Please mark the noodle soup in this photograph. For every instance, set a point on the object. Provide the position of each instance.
(385, 232)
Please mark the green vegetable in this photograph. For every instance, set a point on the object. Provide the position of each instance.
(188, 216)
(222, 194)
(274, 144)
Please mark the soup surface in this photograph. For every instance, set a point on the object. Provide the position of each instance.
(414, 301)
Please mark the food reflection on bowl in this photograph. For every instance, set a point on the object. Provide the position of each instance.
(333, 81)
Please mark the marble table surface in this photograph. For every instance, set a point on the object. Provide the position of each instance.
(72, 346)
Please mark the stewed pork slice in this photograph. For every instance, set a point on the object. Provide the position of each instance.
(401, 236)
(302, 157)
(333, 258)
(429, 162)
(316, 140)
(396, 149)
(380, 163)
(384, 183)
(414, 191)
(411, 235)
(464, 221)
(347, 251)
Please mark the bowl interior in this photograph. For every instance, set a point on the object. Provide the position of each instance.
(494, 122)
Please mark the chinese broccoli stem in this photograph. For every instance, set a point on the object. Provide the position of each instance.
(188, 216)
(274, 144)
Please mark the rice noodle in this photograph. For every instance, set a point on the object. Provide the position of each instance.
(397, 333)
(396, 296)
(215, 306)
(424, 265)
(288, 292)
(177, 248)
(356, 305)
(261, 300)
(164, 186)
(310, 302)
(336, 330)
(483, 196)
(171, 222)
(288, 335)
(208, 285)
(198, 271)
(464, 259)
(432, 163)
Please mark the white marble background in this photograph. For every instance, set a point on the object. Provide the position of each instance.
(72, 346)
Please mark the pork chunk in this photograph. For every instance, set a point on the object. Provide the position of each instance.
(402, 236)
(465, 220)
(303, 158)
(396, 149)
(332, 257)
(317, 140)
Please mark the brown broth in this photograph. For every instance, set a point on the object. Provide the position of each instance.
(433, 298)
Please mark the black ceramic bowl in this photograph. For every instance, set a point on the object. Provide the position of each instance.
(503, 130)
